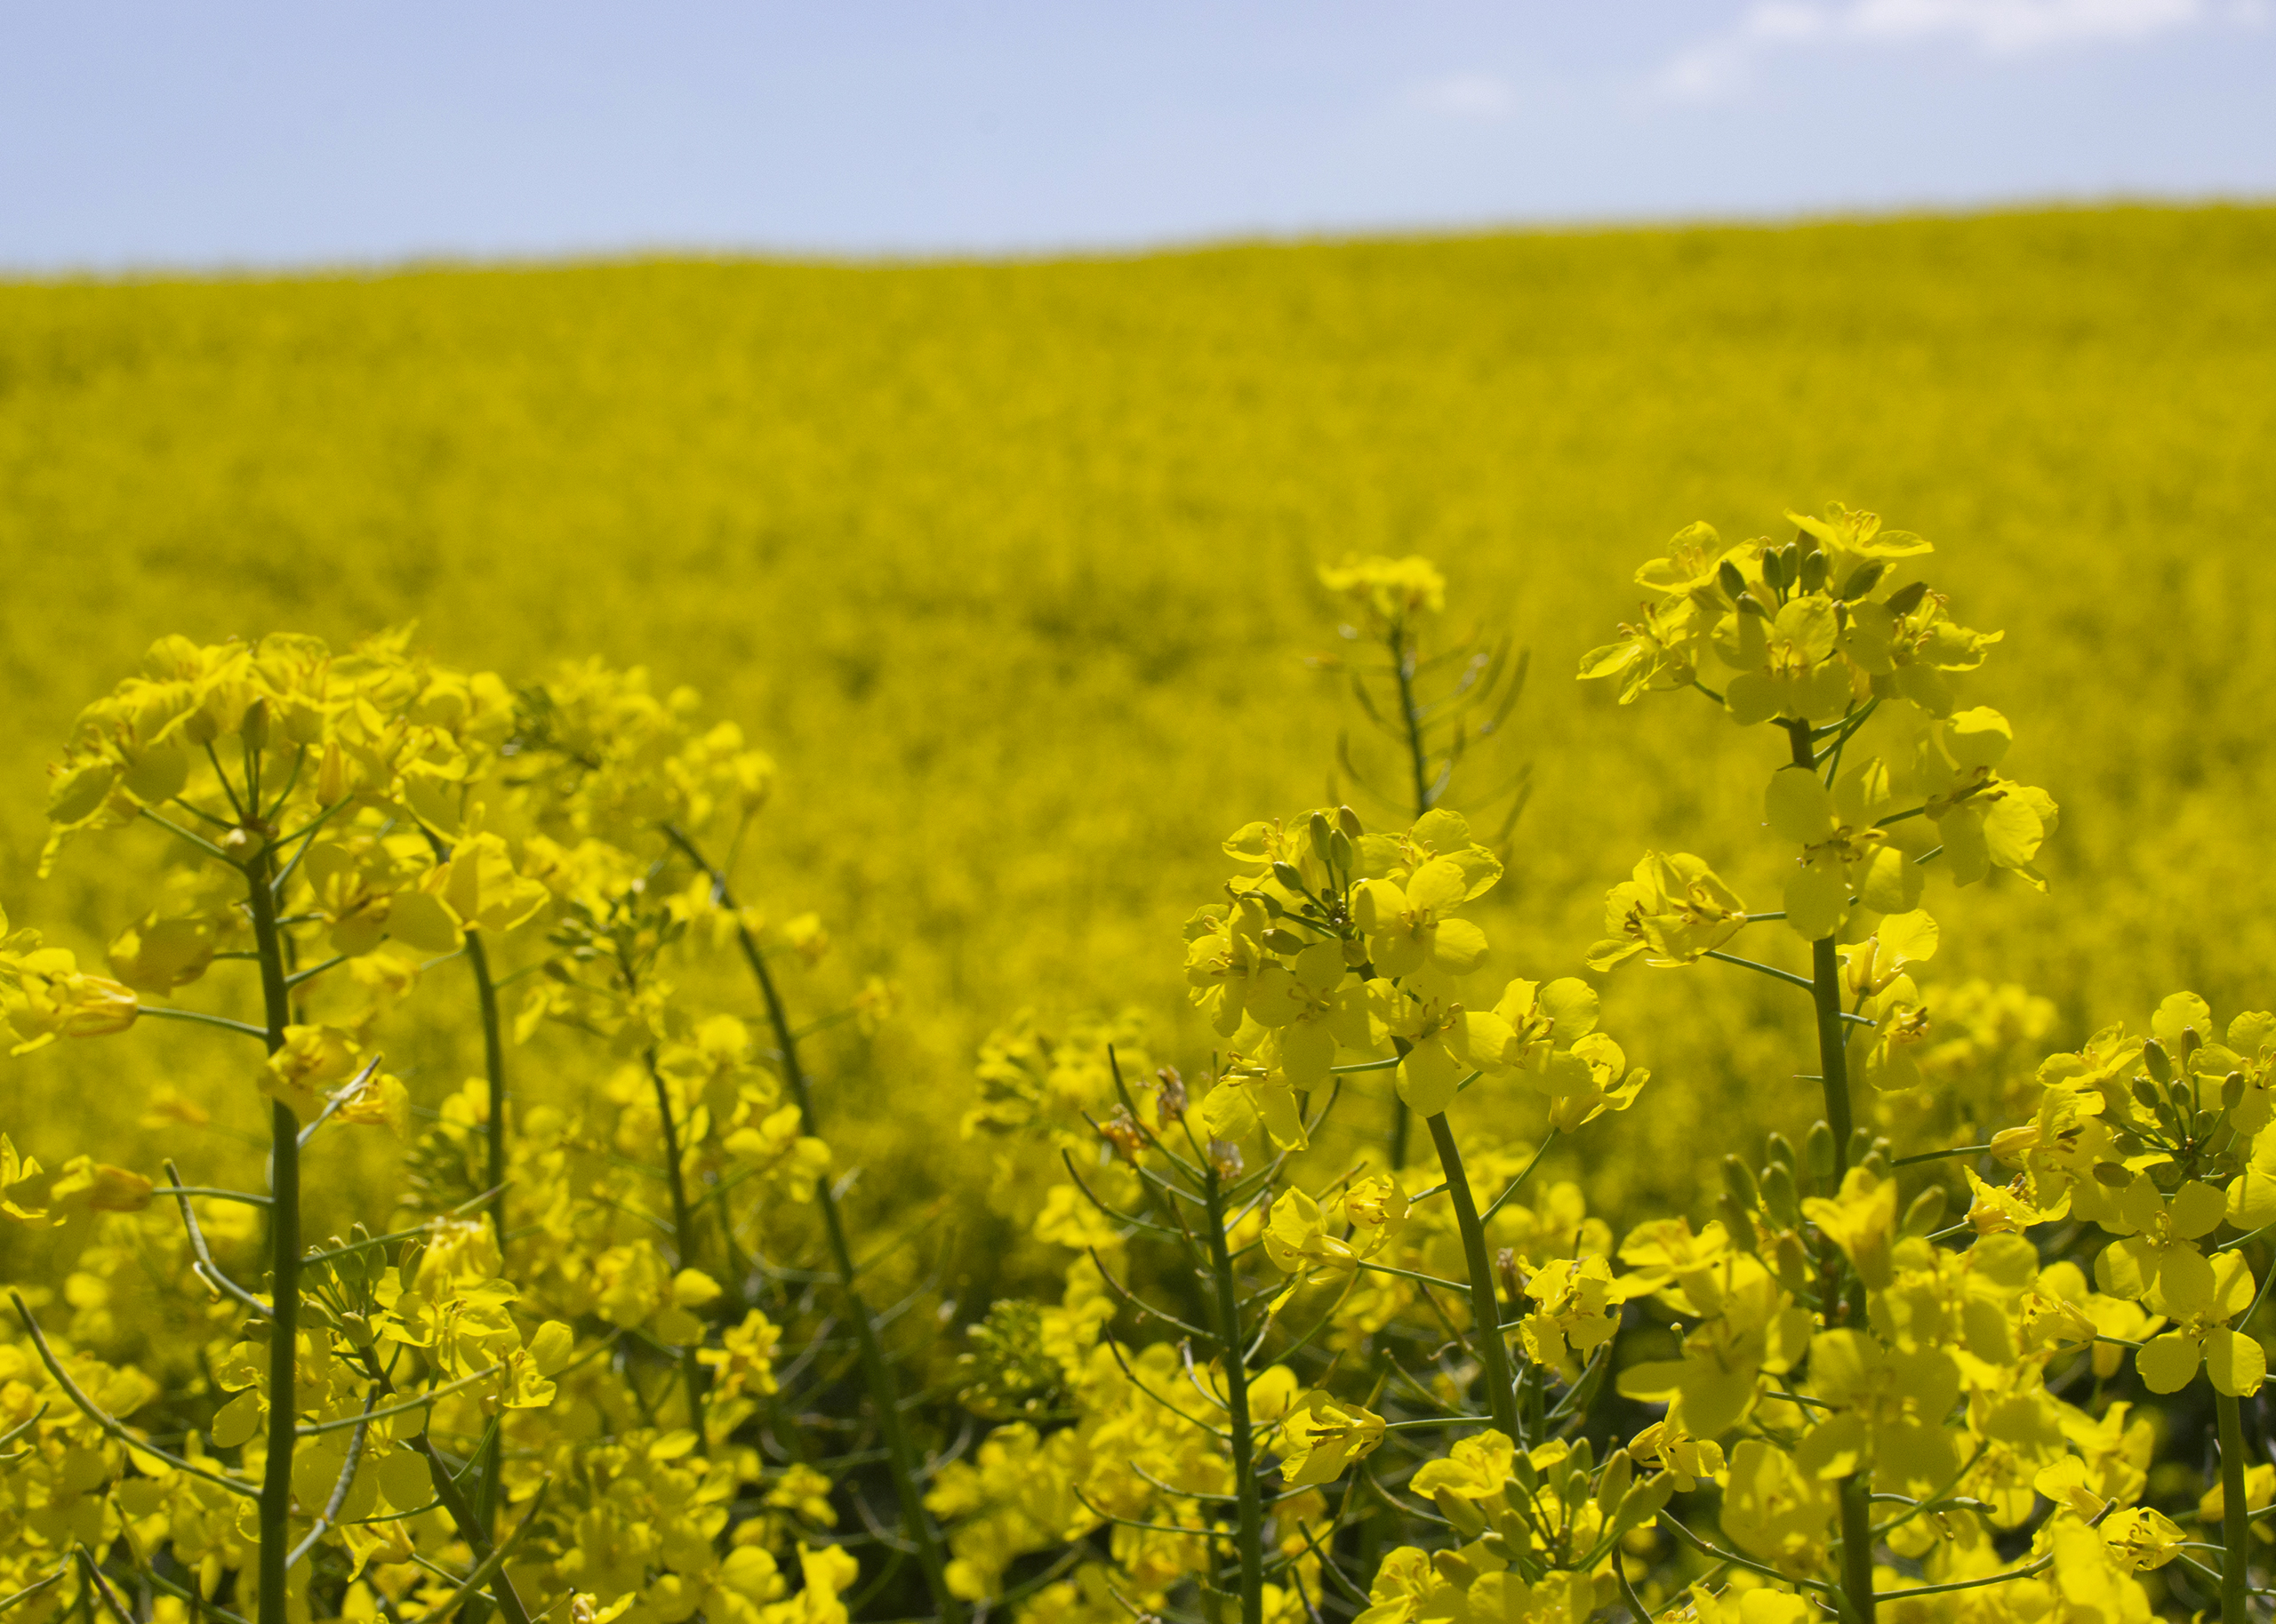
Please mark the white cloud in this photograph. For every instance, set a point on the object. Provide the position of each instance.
(1476, 96)
(1994, 28)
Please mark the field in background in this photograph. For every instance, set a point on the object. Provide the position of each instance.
(1012, 567)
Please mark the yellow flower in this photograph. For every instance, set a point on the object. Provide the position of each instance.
(1674, 911)
(1321, 1436)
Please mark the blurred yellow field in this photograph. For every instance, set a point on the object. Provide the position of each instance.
(1014, 570)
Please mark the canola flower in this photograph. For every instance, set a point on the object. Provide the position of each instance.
(619, 1350)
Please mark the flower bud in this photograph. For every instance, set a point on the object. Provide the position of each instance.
(1282, 941)
(1780, 1149)
(1343, 853)
(2160, 1063)
(2232, 1091)
(1727, 577)
(1793, 1263)
(1814, 571)
(1349, 822)
(1907, 598)
(1286, 874)
(1926, 1215)
(1740, 1182)
(1619, 1472)
(1319, 830)
(2109, 1175)
(1780, 1199)
(1773, 569)
(1466, 1518)
(255, 729)
(1863, 579)
(1736, 1222)
(1817, 1152)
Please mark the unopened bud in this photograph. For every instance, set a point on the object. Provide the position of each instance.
(1286, 873)
(2191, 1043)
(255, 729)
(1793, 1263)
(1907, 598)
(1926, 1215)
(1282, 941)
(1319, 829)
(1740, 1181)
(1774, 568)
(1817, 1152)
(2232, 1091)
(1736, 1222)
(2160, 1063)
(1780, 1198)
(1863, 579)
(2109, 1175)
(1619, 1472)
(1465, 1516)
(1727, 577)
(1780, 1149)
(1349, 822)
(1814, 571)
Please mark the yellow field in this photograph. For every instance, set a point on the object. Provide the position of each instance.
(1011, 566)
(1015, 571)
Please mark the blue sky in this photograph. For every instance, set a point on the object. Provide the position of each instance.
(137, 134)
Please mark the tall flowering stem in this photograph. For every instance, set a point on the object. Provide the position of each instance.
(884, 1394)
(284, 1246)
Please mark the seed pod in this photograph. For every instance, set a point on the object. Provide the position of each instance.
(1863, 579)
(1926, 1215)
(1780, 1199)
(2160, 1063)
(1740, 1182)
(1907, 598)
(1349, 822)
(1817, 1152)
(1727, 577)
(1814, 572)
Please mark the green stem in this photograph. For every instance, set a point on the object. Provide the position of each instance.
(1402, 660)
(885, 1393)
(2235, 1516)
(1248, 1497)
(1485, 1302)
(1833, 1072)
(283, 1255)
(493, 1070)
(691, 1368)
